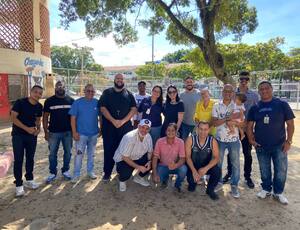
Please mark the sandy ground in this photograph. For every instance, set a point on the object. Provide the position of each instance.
(95, 205)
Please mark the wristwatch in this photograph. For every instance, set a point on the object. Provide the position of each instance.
(290, 142)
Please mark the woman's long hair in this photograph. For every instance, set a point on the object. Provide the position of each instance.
(160, 99)
(168, 99)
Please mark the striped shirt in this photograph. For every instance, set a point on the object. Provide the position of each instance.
(131, 146)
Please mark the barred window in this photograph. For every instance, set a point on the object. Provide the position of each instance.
(45, 30)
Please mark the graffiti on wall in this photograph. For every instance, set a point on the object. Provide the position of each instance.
(35, 71)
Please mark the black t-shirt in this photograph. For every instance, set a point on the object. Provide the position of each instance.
(59, 113)
(118, 104)
(27, 114)
(171, 111)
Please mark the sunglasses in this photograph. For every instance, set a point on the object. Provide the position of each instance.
(90, 91)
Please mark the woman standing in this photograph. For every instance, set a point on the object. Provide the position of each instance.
(203, 111)
(151, 109)
(173, 110)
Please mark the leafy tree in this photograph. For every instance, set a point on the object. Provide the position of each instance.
(155, 70)
(198, 22)
(182, 71)
(176, 57)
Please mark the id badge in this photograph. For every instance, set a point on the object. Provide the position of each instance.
(148, 111)
(266, 120)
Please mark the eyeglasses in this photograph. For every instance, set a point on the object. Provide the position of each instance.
(244, 79)
(172, 92)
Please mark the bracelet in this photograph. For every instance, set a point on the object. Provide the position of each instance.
(290, 142)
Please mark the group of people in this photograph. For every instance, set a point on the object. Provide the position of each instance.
(186, 135)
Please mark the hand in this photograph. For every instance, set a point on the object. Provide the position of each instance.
(115, 123)
(196, 176)
(37, 132)
(47, 136)
(202, 171)
(135, 124)
(76, 136)
(100, 133)
(148, 165)
(142, 169)
(172, 166)
(286, 147)
(156, 178)
(31, 130)
(254, 143)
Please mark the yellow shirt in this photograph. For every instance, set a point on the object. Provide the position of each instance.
(205, 114)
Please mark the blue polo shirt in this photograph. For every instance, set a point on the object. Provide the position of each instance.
(270, 134)
(155, 111)
(86, 113)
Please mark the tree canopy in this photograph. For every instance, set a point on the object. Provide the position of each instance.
(198, 22)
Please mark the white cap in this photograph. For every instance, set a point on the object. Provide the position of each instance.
(145, 122)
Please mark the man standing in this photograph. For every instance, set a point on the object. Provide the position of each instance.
(84, 123)
(202, 157)
(222, 117)
(190, 97)
(26, 118)
(117, 106)
(138, 99)
(268, 118)
(252, 99)
(134, 152)
(58, 129)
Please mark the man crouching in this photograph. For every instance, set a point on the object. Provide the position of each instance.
(202, 157)
(134, 152)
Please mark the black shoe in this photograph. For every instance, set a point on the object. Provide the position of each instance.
(191, 188)
(163, 185)
(178, 189)
(226, 179)
(106, 178)
(250, 183)
(212, 195)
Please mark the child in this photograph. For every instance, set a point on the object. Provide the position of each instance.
(238, 113)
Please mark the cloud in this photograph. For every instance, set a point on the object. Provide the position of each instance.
(106, 52)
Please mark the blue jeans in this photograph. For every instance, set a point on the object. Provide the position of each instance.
(163, 172)
(186, 130)
(155, 134)
(234, 155)
(280, 164)
(53, 144)
(87, 143)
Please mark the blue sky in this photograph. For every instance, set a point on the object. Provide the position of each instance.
(275, 18)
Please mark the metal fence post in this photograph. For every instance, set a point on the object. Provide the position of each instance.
(298, 90)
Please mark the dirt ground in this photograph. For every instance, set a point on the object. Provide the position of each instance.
(95, 205)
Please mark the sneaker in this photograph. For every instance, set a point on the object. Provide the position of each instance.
(122, 186)
(31, 184)
(50, 178)
(235, 191)
(281, 198)
(250, 183)
(191, 188)
(92, 176)
(105, 178)
(163, 185)
(67, 175)
(178, 189)
(141, 180)
(219, 187)
(263, 194)
(212, 195)
(20, 191)
(75, 179)
(226, 179)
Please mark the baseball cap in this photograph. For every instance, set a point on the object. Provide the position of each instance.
(145, 122)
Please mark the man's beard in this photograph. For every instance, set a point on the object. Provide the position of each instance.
(189, 87)
(60, 93)
(119, 86)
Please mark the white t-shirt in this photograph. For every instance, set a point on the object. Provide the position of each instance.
(138, 100)
(238, 108)
(221, 111)
(131, 146)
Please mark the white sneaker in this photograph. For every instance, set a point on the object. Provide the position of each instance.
(50, 178)
(263, 194)
(20, 191)
(235, 191)
(75, 179)
(92, 176)
(67, 175)
(141, 180)
(31, 184)
(219, 187)
(281, 198)
(122, 186)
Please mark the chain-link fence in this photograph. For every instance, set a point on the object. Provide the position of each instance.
(286, 89)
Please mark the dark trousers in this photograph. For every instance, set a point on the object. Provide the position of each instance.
(125, 170)
(111, 140)
(247, 147)
(214, 177)
(21, 144)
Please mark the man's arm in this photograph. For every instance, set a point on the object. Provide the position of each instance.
(180, 119)
(188, 154)
(38, 125)
(290, 128)
(45, 124)
(214, 161)
(17, 122)
(131, 163)
(250, 134)
(154, 169)
(131, 113)
(75, 134)
(217, 122)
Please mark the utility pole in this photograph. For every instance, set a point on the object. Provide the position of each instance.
(153, 56)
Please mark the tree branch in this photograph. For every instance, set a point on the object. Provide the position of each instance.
(172, 3)
(196, 39)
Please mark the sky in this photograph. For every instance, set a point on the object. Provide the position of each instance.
(275, 18)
